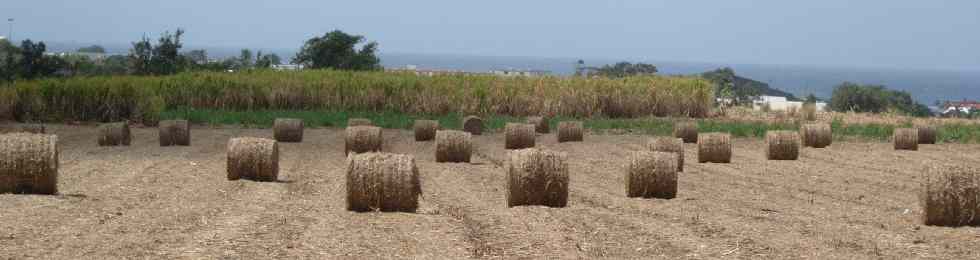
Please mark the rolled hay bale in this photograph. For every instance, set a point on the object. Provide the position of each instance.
(715, 148)
(540, 124)
(382, 181)
(687, 131)
(114, 134)
(29, 163)
(570, 131)
(453, 146)
(174, 132)
(359, 122)
(816, 135)
(32, 128)
(950, 196)
(425, 130)
(519, 136)
(669, 145)
(288, 130)
(782, 145)
(254, 159)
(537, 177)
(906, 139)
(927, 134)
(473, 125)
(363, 139)
(651, 175)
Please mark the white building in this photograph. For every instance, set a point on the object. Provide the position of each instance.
(287, 66)
(782, 104)
(523, 73)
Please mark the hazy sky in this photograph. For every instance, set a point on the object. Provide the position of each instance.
(891, 33)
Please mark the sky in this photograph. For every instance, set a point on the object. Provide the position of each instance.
(869, 33)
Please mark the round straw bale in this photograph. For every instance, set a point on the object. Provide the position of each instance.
(425, 130)
(950, 196)
(114, 134)
(288, 130)
(363, 139)
(782, 145)
(927, 134)
(174, 132)
(253, 159)
(816, 135)
(651, 175)
(473, 125)
(906, 139)
(715, 148)
(453, 146)
(687, 131)
(540, 124)
(669, 145)
(519, 136)
(537, 177)
(28, 163)
(359, 122)
(32, 128)
(570, 131)
(382, 181)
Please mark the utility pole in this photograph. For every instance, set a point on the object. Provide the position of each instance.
(10, 29)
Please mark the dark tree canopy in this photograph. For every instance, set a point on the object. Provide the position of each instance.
(92, 49)
(162, 59)
(337, 50)
(874, 99)
(624, 69)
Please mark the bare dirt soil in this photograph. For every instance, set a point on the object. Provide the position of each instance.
(854, 200)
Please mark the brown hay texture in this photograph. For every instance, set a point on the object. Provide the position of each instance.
(175, 132)
(809, 112)
(669, 145)
(927, 134)
(359, 122)
(29, 163)
(687, 131)
(288, 130)
(540, 124)
(254, 159)
(473, 125)
(114, 134)
(453, 146)
(715, 148)
(816, 135)
(537, 177)
(570, 131)
(651, 175)
(519, 136)
(33, 128)
(382, 181)
(363, 139)
(425, 130)
(950, 196)
(782, 145)
(906, 139)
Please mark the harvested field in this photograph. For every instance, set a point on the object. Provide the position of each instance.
(851, 200)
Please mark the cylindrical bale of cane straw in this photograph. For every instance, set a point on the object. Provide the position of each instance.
(782, 145)
(906, 139)
(174, 132)
(453, 146)
(950, 196)
(540, 124)
(537, 177)
(29, 163)
(570, 131)
(114, 134)
(927, 134)
(254, 159)
(519, 136)
(651, 175)
(817, 135)
(288, 130)
(473, 125)
(363, 139)
(669, 145)
(715, 148)
(425, 130)
(382, 181)
(687, 131)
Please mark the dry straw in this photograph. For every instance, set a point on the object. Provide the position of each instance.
(114, 134)
(687, 131)
(363, 139)
(906, 139)
(715, 148)
(809, 112)
(175, 132)
(289, 130)
(950, 196)
(359, 122)
(817, 135)
(927, 134)
(473, 125)
(382, 181)
(425, 130)
(453, 146)
(519, 136)
(28, 163)
(540, 124)
(669, 145)
(253, 159)
(537, 177)
(782, 145)
(33, 128)
(651, 175)
(570, 131)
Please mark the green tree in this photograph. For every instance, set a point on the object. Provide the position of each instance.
(810, 99)
(874, 99)
(33, 62)
(162, 59)
(245, 59)
(197, 57)
(625, 69)
(9, 59)
(92, 49)
(140, 56)
(337, 50)
(266, 60)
